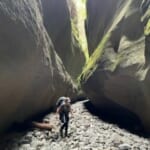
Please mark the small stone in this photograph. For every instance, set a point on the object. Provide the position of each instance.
(46, 120)
(124, 146)
(26, 146)
(29, 136)
(24, 141)
(37, 134)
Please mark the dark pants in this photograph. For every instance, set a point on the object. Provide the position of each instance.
(64, 117)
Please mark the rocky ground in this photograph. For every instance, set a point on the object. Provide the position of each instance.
(86, 132)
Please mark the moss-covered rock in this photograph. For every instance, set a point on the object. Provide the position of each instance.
(120, 77)
(32, 76)
(147, 28)
(145, 8)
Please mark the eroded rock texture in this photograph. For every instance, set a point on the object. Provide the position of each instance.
(32, 76)
(117, 74)
(59, 16)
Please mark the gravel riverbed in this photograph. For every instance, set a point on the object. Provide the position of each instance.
(86, 132)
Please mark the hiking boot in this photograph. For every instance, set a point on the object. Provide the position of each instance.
(61, 133)
(66, 134)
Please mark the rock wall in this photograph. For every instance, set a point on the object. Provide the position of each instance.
(99, 18)
(60, 27)
(117, 74)
(32, 75)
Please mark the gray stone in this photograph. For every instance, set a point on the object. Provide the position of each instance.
(124, 146)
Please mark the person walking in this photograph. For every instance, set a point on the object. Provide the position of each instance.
(63, 110)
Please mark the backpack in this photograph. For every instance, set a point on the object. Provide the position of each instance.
(60, 101)
(64, 108)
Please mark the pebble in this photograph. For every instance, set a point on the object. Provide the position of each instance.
(124, 146)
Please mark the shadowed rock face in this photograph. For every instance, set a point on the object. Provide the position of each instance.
(57, 20)
(31, 74)
(117, 73)
(93, 25)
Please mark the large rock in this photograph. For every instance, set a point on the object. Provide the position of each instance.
(117, 74)
(32, 76)
(61, 28)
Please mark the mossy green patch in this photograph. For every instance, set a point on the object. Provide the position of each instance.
(78, 29)
(80, 39)
(92, 63)
(146, 18)
(81, 5)
(147, 28)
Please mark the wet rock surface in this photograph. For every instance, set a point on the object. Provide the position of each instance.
(86, 132)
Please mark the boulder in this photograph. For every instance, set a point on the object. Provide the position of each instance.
(32, 76)
(117, 74)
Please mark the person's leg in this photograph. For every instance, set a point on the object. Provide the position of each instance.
(66, 128)
(61, 131)
(62, 124)
(66, 125)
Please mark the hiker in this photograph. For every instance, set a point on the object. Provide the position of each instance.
(63, 110)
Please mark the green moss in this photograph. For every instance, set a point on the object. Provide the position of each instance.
(74, 29)
(81, 6)
(92, 63)
(94, 60)
(146, 19)
(147, 28)
(78, 29)
(80, 39)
